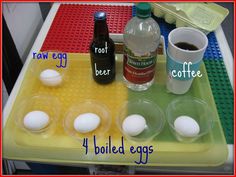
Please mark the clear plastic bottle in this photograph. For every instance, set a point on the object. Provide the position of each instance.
(141, 39)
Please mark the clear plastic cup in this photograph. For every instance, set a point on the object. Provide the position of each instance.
(46, 103)
(194, 108)
(153, 114)
(88, 106)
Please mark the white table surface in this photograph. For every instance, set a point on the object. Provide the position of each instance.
(226, 54)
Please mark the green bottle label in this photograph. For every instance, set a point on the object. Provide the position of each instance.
(141, 63)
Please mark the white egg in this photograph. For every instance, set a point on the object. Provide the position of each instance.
(86, 122)
(186, 126)
(50, 77)
(134, 124)
(36, 120)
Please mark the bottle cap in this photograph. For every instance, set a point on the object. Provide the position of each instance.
(99, 15)
(143, 10)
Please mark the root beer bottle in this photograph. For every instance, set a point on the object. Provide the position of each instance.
(102, 50)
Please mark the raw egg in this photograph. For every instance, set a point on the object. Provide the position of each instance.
(50, 77)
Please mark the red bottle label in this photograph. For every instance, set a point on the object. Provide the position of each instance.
(139, 70)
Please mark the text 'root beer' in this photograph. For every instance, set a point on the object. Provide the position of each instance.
(102, 50)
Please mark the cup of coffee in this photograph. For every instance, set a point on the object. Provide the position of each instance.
(186, 47)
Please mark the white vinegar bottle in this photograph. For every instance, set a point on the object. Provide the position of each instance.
(141, 39)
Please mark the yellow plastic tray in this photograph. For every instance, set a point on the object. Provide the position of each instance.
(58, 147)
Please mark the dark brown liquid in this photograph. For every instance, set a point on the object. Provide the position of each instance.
(102, 54)
(186, 46)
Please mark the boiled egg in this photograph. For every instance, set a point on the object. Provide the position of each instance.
(134, 124)
(86, 122)
(186, 126)
(36, 120)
